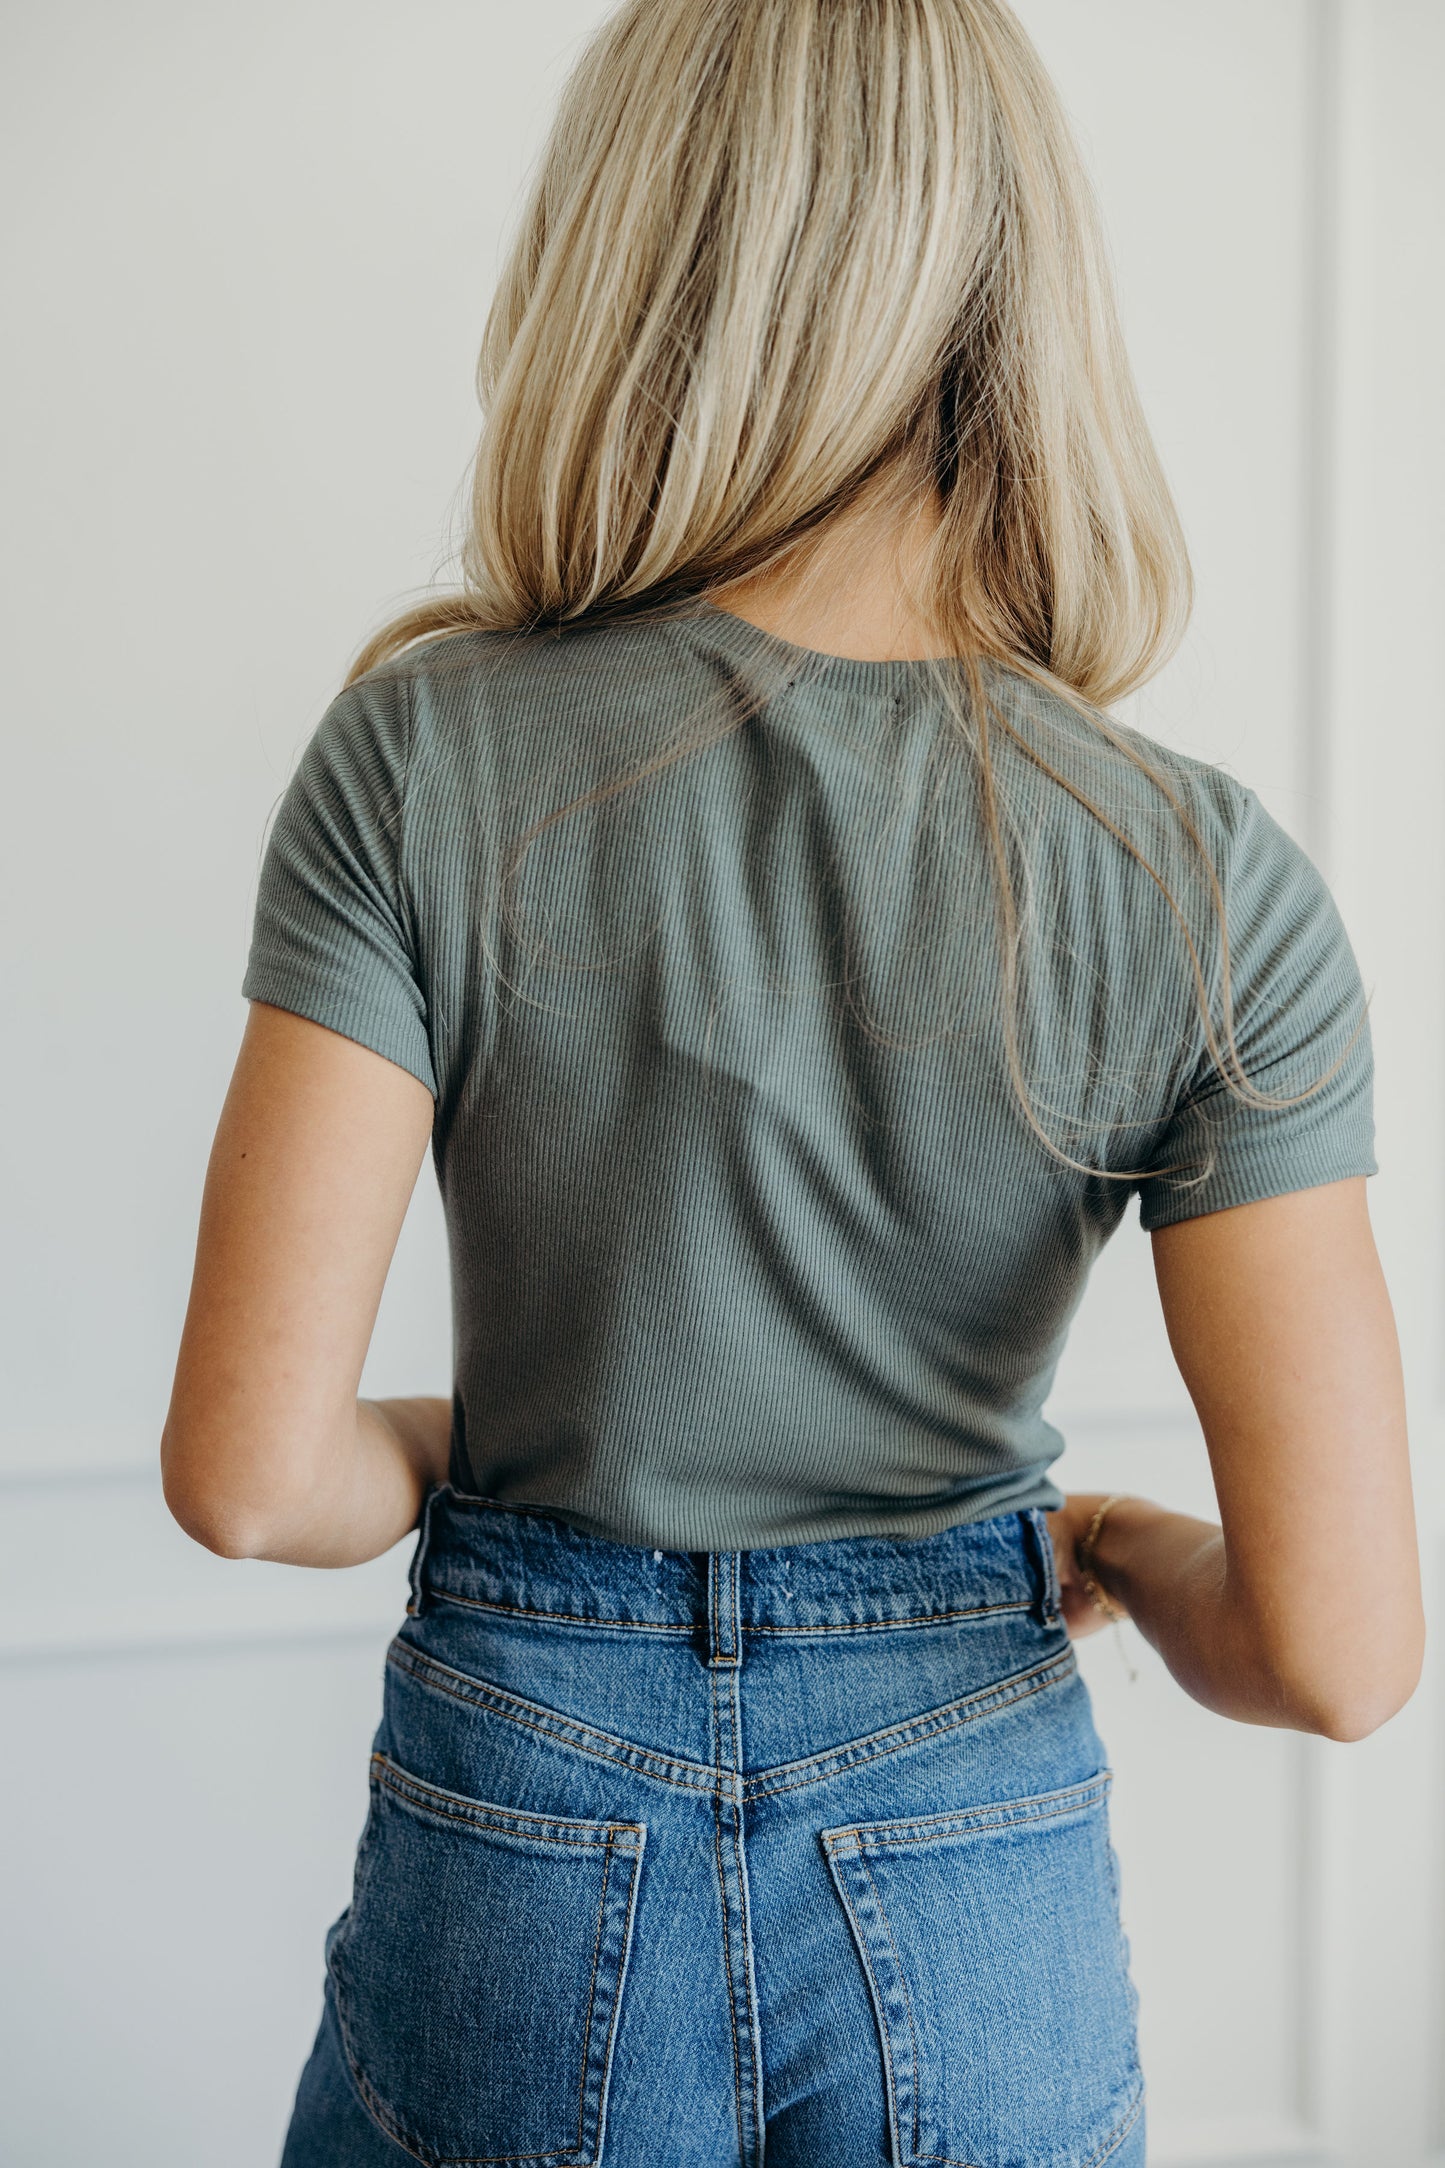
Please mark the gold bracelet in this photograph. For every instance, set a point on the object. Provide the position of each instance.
(1084, 1553)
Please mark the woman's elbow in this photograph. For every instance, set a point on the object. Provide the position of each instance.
(198, 1507)
(215, 1529)
(1350, 1709)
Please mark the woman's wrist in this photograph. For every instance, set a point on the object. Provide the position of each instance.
(1104, 1538)
(1128, 1523)
(421, 1428)
(1086, 1548)
(1165, 1570)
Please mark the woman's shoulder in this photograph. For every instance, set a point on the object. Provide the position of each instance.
(1132, 778)
(530, 691)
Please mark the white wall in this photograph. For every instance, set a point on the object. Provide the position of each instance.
(248, 253)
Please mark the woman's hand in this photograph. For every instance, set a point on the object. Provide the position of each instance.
(1068, 1525)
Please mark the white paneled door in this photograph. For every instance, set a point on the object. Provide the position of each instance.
(251, 250)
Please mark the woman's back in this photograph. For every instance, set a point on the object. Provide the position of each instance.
(840, 1003)
(751, 1240)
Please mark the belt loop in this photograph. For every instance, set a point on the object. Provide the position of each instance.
(1048, 1566)
(723, 1638)
(414, 1576)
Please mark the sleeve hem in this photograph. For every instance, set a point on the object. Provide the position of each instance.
(337, 1010)
(1250, 1182)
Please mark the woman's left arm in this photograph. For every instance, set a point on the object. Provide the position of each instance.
(1303, 1609)
(266, 1451)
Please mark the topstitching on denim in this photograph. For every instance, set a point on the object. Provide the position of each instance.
(601, 1745)
(724, 1661)
(723, 1644)
(985, 1701)
(526, 1563)
(981, 1821)
(442, 1678)
(478, 1814)
(439, 1592)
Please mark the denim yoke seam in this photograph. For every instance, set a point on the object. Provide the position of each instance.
(696, 1776)
(439, 1678)
(897, 1737)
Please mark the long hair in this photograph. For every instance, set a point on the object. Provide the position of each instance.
(780, 256)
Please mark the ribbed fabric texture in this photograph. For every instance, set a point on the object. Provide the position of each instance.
(728, 1267)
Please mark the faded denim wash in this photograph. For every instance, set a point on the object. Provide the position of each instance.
(692, 1859)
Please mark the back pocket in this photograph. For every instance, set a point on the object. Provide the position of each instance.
(999, 1977)
(478, 1973)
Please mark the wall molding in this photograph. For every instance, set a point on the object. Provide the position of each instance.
(101, 1566)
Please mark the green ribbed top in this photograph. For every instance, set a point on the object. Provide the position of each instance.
(750, 1240)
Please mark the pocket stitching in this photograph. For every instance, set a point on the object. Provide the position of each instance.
(849, 1843)
(384, 2118)
(624, 1955)
(1121, 2130)
(592, 2001)
(480, 1814)
(907, 1999)
(969, 1822)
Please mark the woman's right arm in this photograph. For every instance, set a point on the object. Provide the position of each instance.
(1304, 1608)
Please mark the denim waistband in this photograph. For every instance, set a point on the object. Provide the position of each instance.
(520, 1558)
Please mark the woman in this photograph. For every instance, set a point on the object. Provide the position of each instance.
(743, 886)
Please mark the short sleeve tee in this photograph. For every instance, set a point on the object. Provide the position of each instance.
(1299, 1015)
(751, 1240)
(332, 938)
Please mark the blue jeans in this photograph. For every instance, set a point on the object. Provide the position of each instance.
(674, 1859)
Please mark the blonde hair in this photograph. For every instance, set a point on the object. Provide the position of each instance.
(780, 255)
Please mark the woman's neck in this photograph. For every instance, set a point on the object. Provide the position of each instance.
(851, 592)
